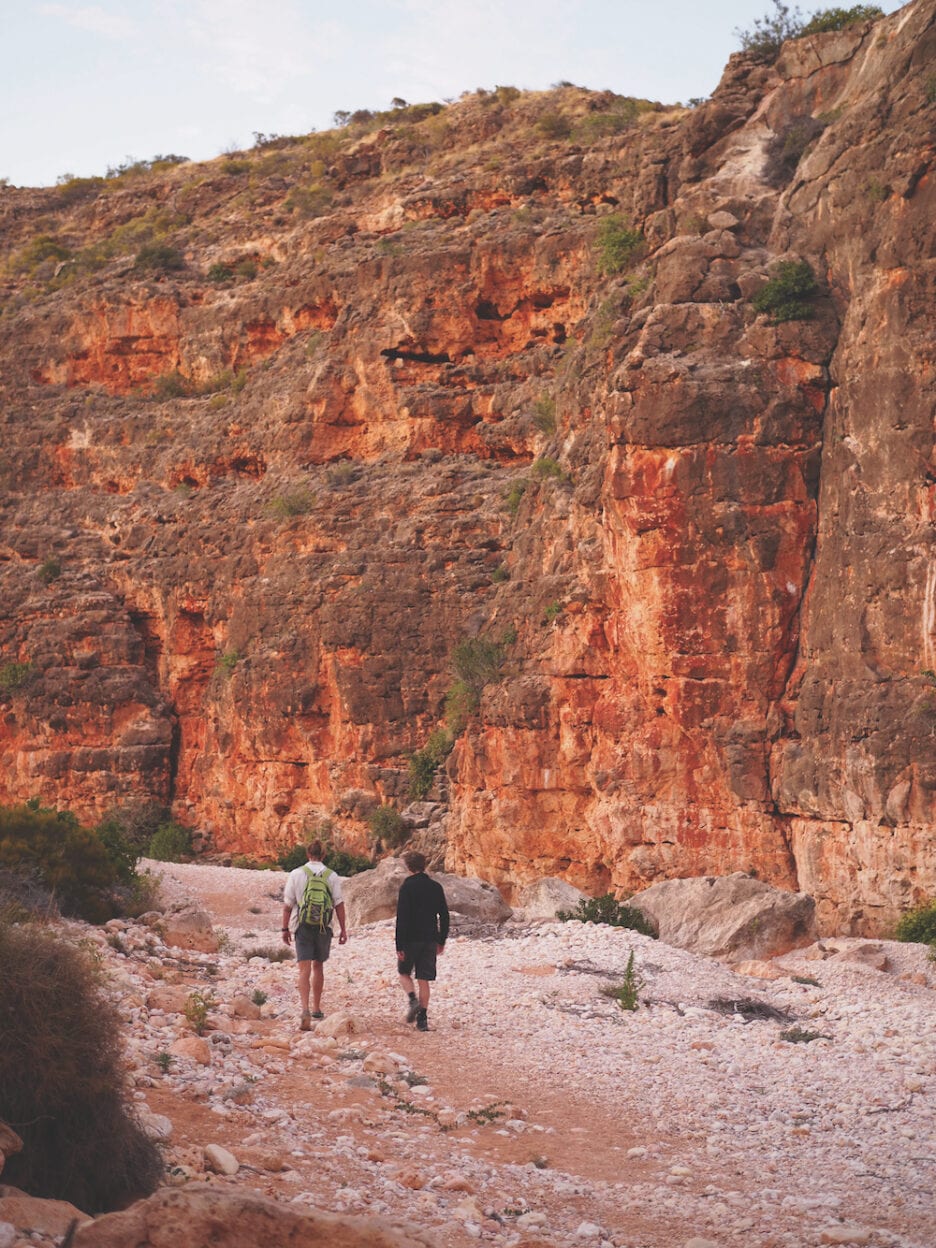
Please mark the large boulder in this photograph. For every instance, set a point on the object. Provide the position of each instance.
(189, 927)
(545, 897)
(372, 895)
(203, 1213)
(10, 1143)
(47, 1219)
(735, 917)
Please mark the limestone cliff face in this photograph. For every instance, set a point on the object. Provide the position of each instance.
(251, 505)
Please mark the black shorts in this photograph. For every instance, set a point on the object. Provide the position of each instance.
(311, 944)
(421, 957)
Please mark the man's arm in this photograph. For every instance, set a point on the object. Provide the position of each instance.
(287, 915)
(443, 913)
(340, 911)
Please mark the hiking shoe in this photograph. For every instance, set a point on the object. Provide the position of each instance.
(317, 1014)
(305, 1023)
(412, 1010)
(422, 1022)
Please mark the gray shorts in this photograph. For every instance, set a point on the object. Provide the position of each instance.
(311, 944)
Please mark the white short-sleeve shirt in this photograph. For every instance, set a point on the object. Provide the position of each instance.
(295, 887)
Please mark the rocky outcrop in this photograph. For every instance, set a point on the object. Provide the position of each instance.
(372, 895)
(202, 1213)
(398, 398)
(737, 919)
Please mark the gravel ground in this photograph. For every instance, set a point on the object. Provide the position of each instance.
(536, 1111)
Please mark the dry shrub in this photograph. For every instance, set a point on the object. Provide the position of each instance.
(62, 1080)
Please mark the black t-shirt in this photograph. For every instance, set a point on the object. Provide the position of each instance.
(422, 911)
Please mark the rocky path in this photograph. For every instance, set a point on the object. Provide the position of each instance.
(536, 1111)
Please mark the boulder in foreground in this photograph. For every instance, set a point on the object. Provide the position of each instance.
(735, 918)
(203, 1213)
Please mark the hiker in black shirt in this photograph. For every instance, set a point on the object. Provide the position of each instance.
(422, 926)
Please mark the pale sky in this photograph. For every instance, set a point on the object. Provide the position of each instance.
(86, 85)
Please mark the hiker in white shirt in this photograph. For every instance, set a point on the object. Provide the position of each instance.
(313, 943)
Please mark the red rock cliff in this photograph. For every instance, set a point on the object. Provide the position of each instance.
(400, 394)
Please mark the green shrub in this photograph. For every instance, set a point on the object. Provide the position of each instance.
(500, 575)
(159, 258)
(607, 909)
(514, 496)
(38, 250)
(477, 662)
(548, 468)
(309, 202)
(553, 611)
(838, 19)
(14, 676)
(618, 245)
(62, 1079)
(554, 125)
(544, 414)
(771, 31)
(172, 386)
(227, 662)
(424, 764)
(787, 295)
(388, 826)
(170, 843)
(220, 273)
(294, 502)
(258, 997)
(49, 570)
(918, 925)
(67, 859)
(620, 116)
(338, 860)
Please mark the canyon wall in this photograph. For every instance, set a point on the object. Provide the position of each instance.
(403, 392)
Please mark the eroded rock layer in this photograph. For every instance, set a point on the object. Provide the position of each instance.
(404, 392)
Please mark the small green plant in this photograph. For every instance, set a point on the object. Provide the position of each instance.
(197, 1007)
(220, 273)
(627, 992)
(618, 244)
(607, 909)
(544, 414)
(548, 469)
(14, 676)
(514, 496)
(488, 1113)
(806, 980)
(171, 842)
(500, 575)
(164, 1061)
(227, 661)
(553, 611)
(424, 764)
(929, 89)
(293, 502)
(839, 19)
(258, 997)
(388, 827)
(918, 925)
(788, 294)
(877, 191)
(49, 570)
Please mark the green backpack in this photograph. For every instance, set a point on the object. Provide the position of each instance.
(315, 909)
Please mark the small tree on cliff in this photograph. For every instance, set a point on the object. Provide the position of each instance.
(769, 33)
